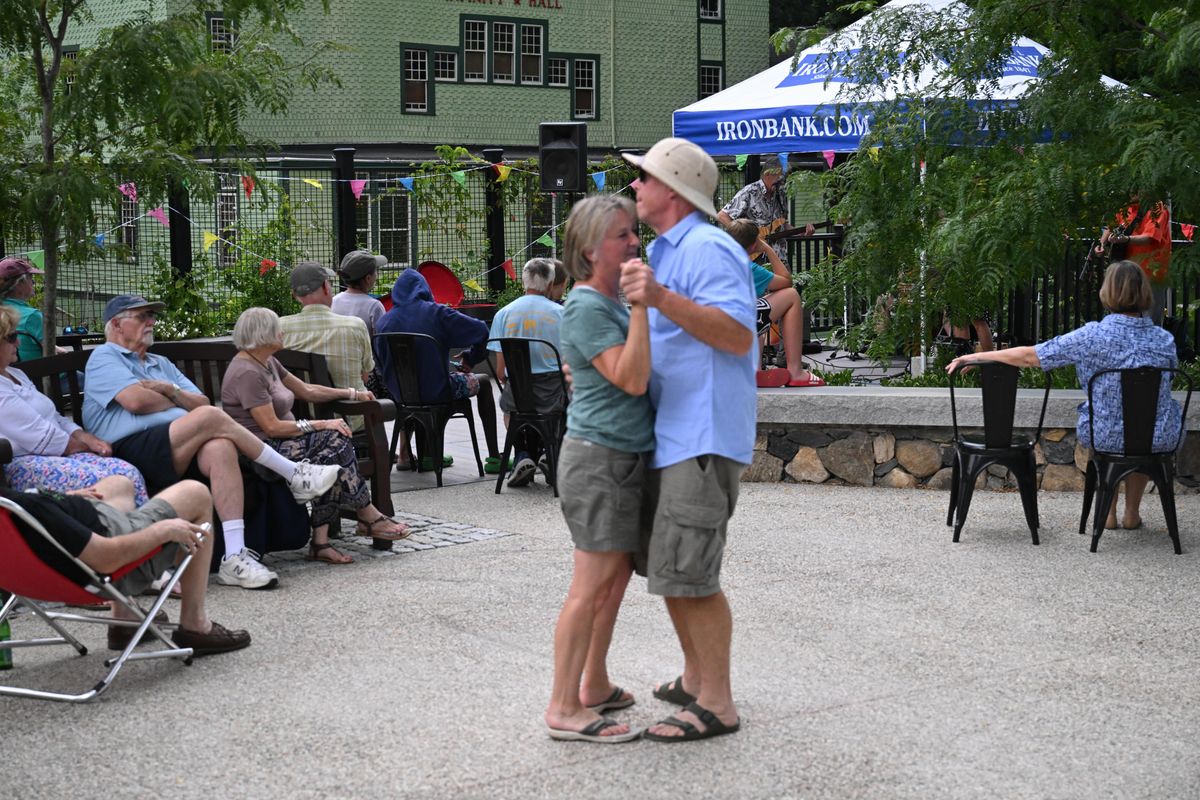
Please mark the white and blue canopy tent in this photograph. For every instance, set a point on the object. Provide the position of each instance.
(804, 110)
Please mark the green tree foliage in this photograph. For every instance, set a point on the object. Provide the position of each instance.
(991, 209)
(146, 98)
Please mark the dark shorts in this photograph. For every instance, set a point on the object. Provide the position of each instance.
(601, 494)
(548, 397)
(685, 515)
(121, 523)
(150, 452)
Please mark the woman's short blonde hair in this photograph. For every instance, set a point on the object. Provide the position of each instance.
(1125, 289)
(9, 320)
(586, 227)
(257, 327)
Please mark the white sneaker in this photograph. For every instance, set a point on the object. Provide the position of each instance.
(522, 473)
(312, 480)
(543, 466)
(243, 569)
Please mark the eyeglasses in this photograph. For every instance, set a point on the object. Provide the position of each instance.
(142, 316)
(11, 338)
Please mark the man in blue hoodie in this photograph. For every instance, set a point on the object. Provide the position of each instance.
(414, 311)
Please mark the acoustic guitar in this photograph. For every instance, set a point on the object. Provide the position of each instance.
(779, 229)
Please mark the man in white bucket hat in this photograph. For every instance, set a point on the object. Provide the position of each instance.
(702, 323)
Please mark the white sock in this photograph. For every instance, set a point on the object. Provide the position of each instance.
(272, 460)
(235, 535)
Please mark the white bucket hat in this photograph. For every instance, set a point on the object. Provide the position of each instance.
(684, 168)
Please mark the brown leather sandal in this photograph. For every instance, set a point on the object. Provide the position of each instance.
(315, 552)
(368, 529)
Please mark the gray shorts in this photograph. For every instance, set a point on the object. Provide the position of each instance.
(120, 523)
(601, 494)
(548, 397)
(685, 515)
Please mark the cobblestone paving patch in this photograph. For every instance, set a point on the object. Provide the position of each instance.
(428, 533)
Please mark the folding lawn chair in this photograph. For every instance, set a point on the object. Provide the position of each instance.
(32, 583)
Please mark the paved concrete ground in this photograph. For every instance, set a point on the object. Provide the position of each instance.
(872, 658)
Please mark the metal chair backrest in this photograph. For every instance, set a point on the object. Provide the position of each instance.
(518, 366)
(998, 387)
(406, 351)
(1140, 391)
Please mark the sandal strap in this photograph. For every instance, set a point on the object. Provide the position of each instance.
(687, 727)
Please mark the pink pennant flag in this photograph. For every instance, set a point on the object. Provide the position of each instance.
(356, 187)
(248, 185)
(1188, 230)
(160, 215)
(828, 157)
(129, 190)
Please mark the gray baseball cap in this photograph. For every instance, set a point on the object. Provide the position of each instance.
(307, 277)
(359, 264)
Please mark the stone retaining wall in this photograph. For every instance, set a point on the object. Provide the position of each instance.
(913, 453)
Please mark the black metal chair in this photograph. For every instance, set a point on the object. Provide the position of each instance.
(1140, 388)
(407, 351)
(973, 452)
(518, 368)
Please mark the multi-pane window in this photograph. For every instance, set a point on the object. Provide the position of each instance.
(503, 36)
(531, 54)
(445, 66)
(416, 80)
(383, 221)
(710, 9)
(542, 216)
(227, 220)
(474, 50)
(710, 79)
(129, 226)
(70, 58)
(222, 38)
(585, 88)
(556, 71)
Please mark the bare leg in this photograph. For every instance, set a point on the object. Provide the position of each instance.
(691, 665)
(218, 462)
(709, 625)
(204, 424)
(486, 407)
(591, 585)
(786, 305)
(192, 501)
(116, 491)
(1135, 487)
(596, 685)
(984, 332)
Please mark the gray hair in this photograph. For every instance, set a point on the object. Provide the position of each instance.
(538, 274)
(586, 227)
(256, 327)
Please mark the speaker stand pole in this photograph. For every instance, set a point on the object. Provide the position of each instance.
(494, 199)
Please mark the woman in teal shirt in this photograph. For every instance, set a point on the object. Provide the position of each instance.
(16, 287)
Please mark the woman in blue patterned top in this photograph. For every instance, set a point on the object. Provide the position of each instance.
(1124, 339)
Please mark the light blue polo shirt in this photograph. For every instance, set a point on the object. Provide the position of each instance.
(705, 399)
(110, 369)
(530, 316)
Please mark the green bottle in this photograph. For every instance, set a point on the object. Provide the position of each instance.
(5, 653)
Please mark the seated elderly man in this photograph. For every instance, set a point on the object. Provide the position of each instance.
(536, 315)
(101, 527)
(343, 340)
(161, 423)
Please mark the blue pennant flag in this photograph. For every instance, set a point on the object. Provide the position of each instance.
(783, 162)
(406, 183)
(599, 179)
(99, 240)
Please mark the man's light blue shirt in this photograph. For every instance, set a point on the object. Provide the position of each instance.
(530, 316)
(110, 369)
(704, 398)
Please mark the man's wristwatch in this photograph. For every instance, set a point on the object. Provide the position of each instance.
(174, 392)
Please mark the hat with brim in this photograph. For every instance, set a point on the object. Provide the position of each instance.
(358, 264)
(128, 302)
(684, 168)
(13, 267)
(308, 276)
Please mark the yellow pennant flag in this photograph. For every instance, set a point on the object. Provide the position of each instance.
(472, 285)
(209, 239)
(313, 182)
(502, 172)
(874, 153)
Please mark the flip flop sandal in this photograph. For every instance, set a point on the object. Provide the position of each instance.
(592, 733)
(613, 702)
(712, 727)
(673, 692)
(492, 466)
(315, 551)
(813, 380)
(368, 529)
(772, 378)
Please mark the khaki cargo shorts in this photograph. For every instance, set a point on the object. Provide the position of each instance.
(601, 493)
(120, 523)
(685, 514)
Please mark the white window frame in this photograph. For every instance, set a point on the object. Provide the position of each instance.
(129, 227)
(552, 73)
(440, 59)
(416, 71)
(527, 51)
(711, 10)
(720, 78)
(226, 215)
(588, 85)
(222, 38)
(474, 42)
(504, 44)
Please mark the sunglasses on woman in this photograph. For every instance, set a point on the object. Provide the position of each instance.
(11, 338)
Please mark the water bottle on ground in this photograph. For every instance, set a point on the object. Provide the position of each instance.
(5, 653)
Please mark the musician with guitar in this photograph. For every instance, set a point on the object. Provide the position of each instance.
(763, 203)
(1144, 237)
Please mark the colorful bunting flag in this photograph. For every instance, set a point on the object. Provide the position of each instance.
(99, 239)
(783, 162)
(502, 172)
(874, 153)
(1188, 230)
(599, 179)
(407, 183)
(37, 258)
(472, 285)
(265, 265)
(356, 188)
(828, 157)
(313, 182)
(508, 269)
(546, 239)
(160, 215)
(741, 161)
(209, 239)
(129, 190)
(459, 176)
(248, 185)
